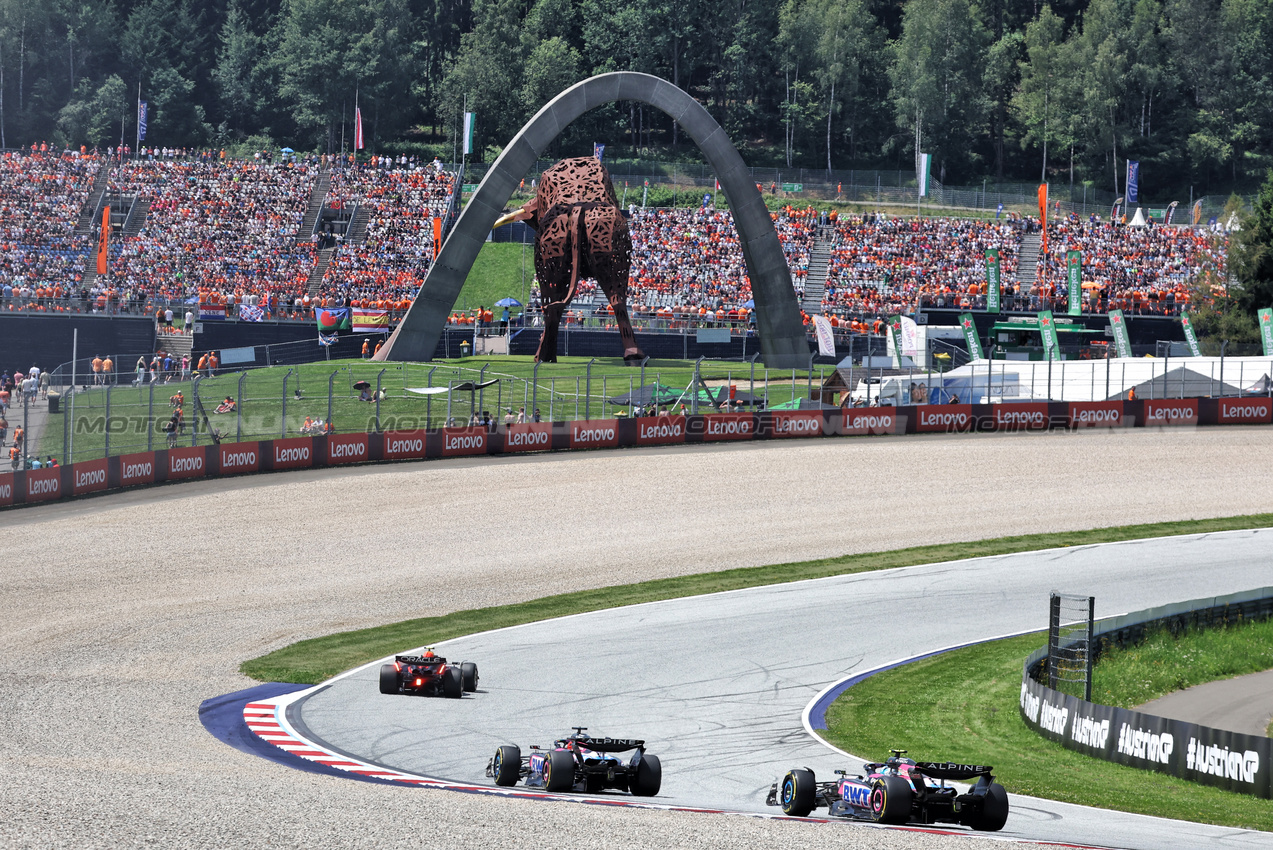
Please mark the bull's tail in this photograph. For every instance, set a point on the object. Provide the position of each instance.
(577, 237)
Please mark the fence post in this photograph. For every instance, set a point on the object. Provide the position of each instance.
(106, 430)
(194, 409)
(283, 424)
(1223, 345)
(238, 408)
(751, 387)
(330, 391)
(378, 380)
(809, 377)
(534, 389)
(694, 387)
(428, 400)
(481, 392)
(587, 402)
(66, 432)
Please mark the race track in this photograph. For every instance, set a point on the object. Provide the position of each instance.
(121, 614)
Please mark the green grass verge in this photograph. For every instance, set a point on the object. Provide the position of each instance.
(497, 274)
(563, 393)
(929, 709)
(313, 661)
(1164, 663)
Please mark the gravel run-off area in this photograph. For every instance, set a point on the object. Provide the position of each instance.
(120, 614)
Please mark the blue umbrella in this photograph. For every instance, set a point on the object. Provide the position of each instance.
(749, 304)
(508, 302)
(287, 150)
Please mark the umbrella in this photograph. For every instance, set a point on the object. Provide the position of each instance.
(362, 385)
(749, 304)
(508, 302)
(286, 150)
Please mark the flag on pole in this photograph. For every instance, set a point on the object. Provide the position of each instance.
(1266, 329)
(826, 337)
(1197, 212)
(1047, 326)
(1122, 342)
(1133, 181)
(993, 280)
(1043, 219)
(437, 236)
(469, 120)
(970, 335)
(1191, 338)
(598, 150)
(103, 240)
(1074, 281)
(358, 142)
(143, 116)
(922, 166)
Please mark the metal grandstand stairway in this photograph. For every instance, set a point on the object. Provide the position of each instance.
(815, 285)
(358, 227)
(1028, 262)
(317, 196)
(88, 212)
(138, 210)
(322, 260)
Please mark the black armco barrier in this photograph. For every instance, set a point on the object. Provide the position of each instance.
(1188, 751)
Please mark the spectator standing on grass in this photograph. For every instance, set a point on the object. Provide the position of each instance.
(140, 369)
(108, 368)
(366, 348)
(4, 428)
(97, 371)
(185, 367)
(213, 363)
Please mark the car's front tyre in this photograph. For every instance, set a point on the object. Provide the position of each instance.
(559, 771)
(507, 765)
(797, 793)
(891, 800)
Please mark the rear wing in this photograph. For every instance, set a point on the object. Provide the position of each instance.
(419, 659)
(610, 745)
(950, 770)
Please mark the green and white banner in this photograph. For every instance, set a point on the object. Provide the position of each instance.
(1074, 280)
(1191, 338)
(1122, 342)
(922, 177)
(970, 335)
(1047, 327)
(470, 118)
(1266, 330)
(993, 280)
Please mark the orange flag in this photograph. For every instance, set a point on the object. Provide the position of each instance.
(104, 240)
(437, 236)
(1043, 215)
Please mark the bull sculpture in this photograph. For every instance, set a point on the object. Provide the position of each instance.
(580, 233)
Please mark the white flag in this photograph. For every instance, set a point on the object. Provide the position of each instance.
(826, 338)
(468, 131)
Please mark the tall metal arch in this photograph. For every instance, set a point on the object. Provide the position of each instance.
(783, 343)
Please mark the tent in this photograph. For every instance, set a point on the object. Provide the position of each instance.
(803, 404)
(649, 394)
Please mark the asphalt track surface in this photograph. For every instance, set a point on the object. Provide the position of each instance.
(717, 684)
(120, 615)
(1241, 704)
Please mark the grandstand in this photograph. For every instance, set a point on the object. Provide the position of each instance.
(288, 236)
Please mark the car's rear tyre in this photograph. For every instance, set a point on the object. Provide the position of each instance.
(507, 765)
(797, 794)
(559, 771)
(452, 686)
(388, 679)
(649, 777)
(468, 676)
(891, 800)
(994, 810)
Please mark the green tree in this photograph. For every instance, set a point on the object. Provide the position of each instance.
(1042, 74)
(937, 74)
(1251, 253)
(488, 68)
(236, 71)
(93, 116)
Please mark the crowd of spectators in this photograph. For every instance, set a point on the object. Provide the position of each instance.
(226, 232)
(41, 195)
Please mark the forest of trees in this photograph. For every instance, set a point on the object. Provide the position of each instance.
(1002, 89)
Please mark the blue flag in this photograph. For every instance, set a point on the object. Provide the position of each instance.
(143, 116)
(1133, 181)
(327, 339)
(598, 150)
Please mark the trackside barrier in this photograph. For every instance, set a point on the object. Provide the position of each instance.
(143, 468)
(1196, 753)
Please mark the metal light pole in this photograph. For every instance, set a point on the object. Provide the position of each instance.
(238, 409)
(378, 379)
(587, 402)
(283, 425)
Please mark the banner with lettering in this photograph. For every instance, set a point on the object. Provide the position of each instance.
(993, 280)
(970, 335)
(1122, 343)
(1074, 280)
(1191, 338)
(1266, 330)
(1047, 327)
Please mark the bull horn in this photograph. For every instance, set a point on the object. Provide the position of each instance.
(506, 219)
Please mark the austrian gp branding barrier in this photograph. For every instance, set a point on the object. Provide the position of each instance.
(143, 468)
(1200, 754)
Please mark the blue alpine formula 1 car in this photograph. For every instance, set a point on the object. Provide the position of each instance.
(900, 790)
(580, 763)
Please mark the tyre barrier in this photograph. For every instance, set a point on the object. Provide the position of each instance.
(130, 470)
(1201, 754)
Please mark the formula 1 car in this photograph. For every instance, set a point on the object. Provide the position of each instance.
(898, 791)
(427, 675)
(580, 763)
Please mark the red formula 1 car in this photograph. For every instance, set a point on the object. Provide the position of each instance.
(581, 763)
(427, 675)
(900, 790)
